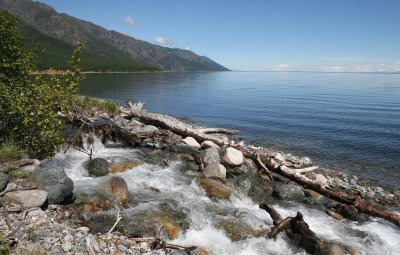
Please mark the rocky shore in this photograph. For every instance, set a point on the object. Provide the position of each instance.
(43, 211)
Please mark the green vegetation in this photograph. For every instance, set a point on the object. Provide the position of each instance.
(29, 105)
(54, 53)
(92, 106)
(4, 246)
(9, 151)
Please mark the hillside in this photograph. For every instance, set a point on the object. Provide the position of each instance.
(56, 33)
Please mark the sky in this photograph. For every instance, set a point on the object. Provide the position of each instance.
(260, 35)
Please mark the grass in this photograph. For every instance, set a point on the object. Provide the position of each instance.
(93, 106)
(9, 151)
(4, 246)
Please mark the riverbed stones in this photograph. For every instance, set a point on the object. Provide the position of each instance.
(209, 144)
(215, 170)
(183, 148)
(116, 187)
(289, 192)
(98, 167)
(214, 189)
(233, 157)
(192, 142)
(235, 229)
(52, 178)
(26, 198)
(210, 156)
(4, 178)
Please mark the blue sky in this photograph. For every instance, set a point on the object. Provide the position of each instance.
(314, 35)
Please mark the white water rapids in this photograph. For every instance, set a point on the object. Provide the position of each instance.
(381, 237)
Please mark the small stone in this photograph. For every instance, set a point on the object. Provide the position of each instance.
(149, 128)
(83, 229)
(67, 246)
(192, 142)
(27, 198)
(233, 157)
(215, 170)
(68, 238)
(334, 214)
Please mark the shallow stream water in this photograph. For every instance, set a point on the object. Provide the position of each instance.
(374, 237)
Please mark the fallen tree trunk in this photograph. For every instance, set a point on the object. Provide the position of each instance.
(181, 128)
(297, 230)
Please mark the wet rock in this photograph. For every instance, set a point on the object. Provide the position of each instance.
(214, 189)
(200, 251)
(4, 178)
(52, 178)
(98, 167)
(233, 157)
(240, 184)
(235, 229)
(123, 166)
(183, 148)
(210, 156)
(149, 128)
(289, 192)
(208, 144)
(261, 190)
(215, 170)
(26, 198)
(192, 142)
(311, 193)
(335, 249)
(116, 187)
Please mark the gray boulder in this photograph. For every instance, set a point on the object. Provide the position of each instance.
(289, 192)
(183, 148)
(215, 170)
(4, 178)
(210, 156)
(52, 178)
(98, 167)
(149, 128)
(26, 198)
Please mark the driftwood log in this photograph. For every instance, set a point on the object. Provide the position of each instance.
(181, 128)
(298, 232)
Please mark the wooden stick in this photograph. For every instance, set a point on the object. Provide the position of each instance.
(115, 224)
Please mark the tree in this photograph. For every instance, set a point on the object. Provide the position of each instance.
(29, 103)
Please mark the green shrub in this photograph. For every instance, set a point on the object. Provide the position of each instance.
(4, 246)
(93, 106)
(9, 151)
(29, 104)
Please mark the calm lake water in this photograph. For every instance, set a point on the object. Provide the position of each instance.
(344, 121)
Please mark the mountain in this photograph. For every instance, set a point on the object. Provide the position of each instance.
(56, 33)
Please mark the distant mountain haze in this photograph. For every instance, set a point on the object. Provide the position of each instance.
(52, 36)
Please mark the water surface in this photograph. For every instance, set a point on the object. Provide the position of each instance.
(343, 121)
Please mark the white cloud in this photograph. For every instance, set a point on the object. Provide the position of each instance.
(164, 41)
(129, 21)
(281, 67)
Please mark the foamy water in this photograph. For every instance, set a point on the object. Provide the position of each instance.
(381, 237)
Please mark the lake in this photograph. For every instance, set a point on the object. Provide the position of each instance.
(342, 121)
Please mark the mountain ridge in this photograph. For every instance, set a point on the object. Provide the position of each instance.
(104, 43)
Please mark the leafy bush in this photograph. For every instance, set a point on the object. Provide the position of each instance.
(29, 104)
(93, 106)
(4, 246)
(9, 151)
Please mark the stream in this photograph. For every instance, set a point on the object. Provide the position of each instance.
(201, 214)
